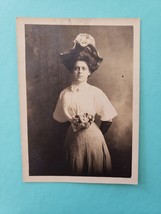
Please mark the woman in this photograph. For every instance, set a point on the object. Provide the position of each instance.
(86, 151)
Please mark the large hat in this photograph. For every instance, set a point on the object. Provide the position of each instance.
(84, 49)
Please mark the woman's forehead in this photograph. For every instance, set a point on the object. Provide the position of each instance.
(81, 63)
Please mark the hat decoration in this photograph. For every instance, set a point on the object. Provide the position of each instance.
(84, 44)
(84, 39)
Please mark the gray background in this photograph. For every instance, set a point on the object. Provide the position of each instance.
(46, 77)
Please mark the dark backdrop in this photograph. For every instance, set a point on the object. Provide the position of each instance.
(46, 77)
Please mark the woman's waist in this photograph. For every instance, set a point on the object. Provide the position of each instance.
(92, 130)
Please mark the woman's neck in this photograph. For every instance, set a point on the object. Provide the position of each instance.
(79, 83)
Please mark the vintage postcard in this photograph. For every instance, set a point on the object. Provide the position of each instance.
(79, 99)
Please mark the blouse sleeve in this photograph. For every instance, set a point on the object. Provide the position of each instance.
(104, 108)
(58, 113)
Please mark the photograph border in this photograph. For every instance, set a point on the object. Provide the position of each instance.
(135, 22)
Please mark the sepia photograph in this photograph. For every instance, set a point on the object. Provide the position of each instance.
(79, 99)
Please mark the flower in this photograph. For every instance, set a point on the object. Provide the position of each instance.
(82, 121)
(85, 39)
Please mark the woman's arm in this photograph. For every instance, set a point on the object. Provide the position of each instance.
(105, 125)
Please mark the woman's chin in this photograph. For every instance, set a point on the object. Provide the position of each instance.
(80, 80)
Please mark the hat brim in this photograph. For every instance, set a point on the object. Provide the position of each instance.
(69, 57)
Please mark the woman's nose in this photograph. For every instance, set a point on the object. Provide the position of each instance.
(80, 70)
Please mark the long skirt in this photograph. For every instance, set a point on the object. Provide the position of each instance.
(86, 152)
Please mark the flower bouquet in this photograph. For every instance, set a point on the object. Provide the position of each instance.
(82, 121)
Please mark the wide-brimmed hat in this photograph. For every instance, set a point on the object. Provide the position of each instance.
(84, 49)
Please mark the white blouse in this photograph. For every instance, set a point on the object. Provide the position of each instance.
(85, 98)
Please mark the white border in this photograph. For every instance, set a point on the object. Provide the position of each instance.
(23, 101)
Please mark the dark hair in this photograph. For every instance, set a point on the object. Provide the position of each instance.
(87, 54)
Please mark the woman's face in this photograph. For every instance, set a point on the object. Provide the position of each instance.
(81, 71)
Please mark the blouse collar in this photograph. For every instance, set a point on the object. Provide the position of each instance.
(78, 86)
